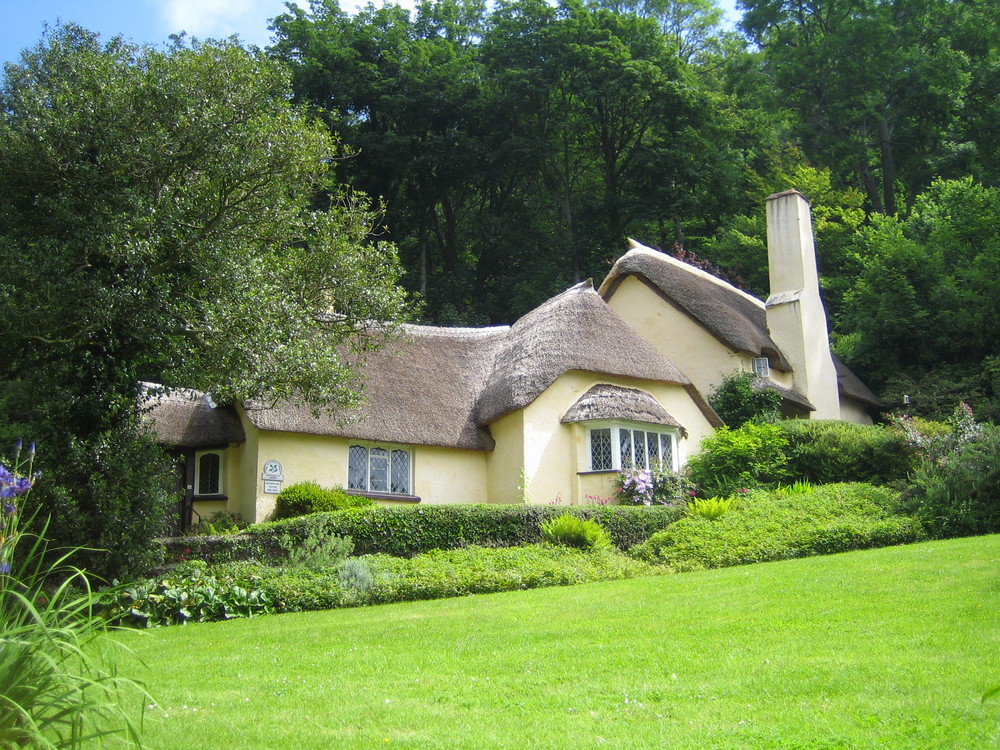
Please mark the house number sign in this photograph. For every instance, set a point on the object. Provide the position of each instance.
(272, 477)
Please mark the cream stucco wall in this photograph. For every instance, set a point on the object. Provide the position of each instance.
(439, 475)
(686, 343)
(505, 462)
(556, 460)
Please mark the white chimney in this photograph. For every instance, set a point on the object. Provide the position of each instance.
(796, 317)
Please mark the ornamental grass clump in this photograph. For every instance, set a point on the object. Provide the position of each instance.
(575, 532)
(59, 685)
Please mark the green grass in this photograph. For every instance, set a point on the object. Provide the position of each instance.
(889, 648)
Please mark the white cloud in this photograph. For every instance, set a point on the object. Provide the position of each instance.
(221, 18)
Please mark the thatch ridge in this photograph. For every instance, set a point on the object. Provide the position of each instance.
(575, 330)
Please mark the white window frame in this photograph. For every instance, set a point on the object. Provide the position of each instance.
(389, 450)
(761, 367)
(198, 456)
(672, 434)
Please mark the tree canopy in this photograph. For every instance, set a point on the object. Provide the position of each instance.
(173, 217)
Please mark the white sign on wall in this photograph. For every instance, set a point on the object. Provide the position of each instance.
(272, 470)
(272, 486)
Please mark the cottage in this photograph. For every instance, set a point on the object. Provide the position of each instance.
(547, 410)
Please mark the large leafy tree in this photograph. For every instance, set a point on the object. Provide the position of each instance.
(166, 215)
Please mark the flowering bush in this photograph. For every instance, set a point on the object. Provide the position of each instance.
(656, 487)
(938, 446)
(56, 689)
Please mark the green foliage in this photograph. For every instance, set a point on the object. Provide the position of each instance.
(579, 533)
(777, 526)
(405, 531)
(916, 313)
(220, 523)
(738, 402)
(189, 593)
(60, 685)
(711, 508)
(828, 451)
(166, 203)
(754, 455)
(958, 494)
(315, 550)
(355, 573)
(308, 497)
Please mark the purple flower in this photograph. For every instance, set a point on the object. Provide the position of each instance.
(8, 509)
(4, 568)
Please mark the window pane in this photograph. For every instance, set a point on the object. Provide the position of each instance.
(653, 449)
(625, 442)
(209, 470)
(601, 457)
(400, 470)
(639, 446)
(667, 451)
(378, 470)
(357, 468)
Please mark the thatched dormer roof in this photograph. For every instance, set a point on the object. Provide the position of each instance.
(734, 317)
(185, 419)
(614, 402)
(575, 330)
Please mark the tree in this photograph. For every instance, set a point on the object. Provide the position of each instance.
(175, 220)
(921, 316)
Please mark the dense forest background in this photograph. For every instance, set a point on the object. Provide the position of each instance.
(516, 148)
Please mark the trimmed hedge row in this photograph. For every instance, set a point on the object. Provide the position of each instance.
(408, 531)
(770, 526)
(195, 594)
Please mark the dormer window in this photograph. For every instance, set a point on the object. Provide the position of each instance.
(761, 367)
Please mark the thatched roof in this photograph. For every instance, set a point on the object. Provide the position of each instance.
(614, 402)
(851, 386)
(419, 389)
(184, 418)
(575, 330)
(786, 394)
(737, 319)
(443, 386)
(734, 317)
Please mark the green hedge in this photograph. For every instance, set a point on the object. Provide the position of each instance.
(408, 531)
(780, 525)
(245, 589)
(827, 451)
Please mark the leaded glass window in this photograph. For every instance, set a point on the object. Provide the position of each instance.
(378, 469)
(209, 474)
(601, 456)
(627, 448)
(400, 472)
(357, 468)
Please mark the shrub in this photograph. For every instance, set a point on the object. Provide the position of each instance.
(828, 451)
(219, 523)
(575, 532)
(305, 498)
(777, 526)
(737, 401)
(711, 508)
(751, 456)
(433, 575)
(959, 494)
(189, 593)
(656, 487)
(316, 550)
(406, 531)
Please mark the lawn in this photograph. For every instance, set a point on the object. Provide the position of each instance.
(888, 648)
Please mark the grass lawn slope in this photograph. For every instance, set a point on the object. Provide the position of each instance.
(888, 648)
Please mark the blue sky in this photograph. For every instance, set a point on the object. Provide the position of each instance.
(150, 21)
